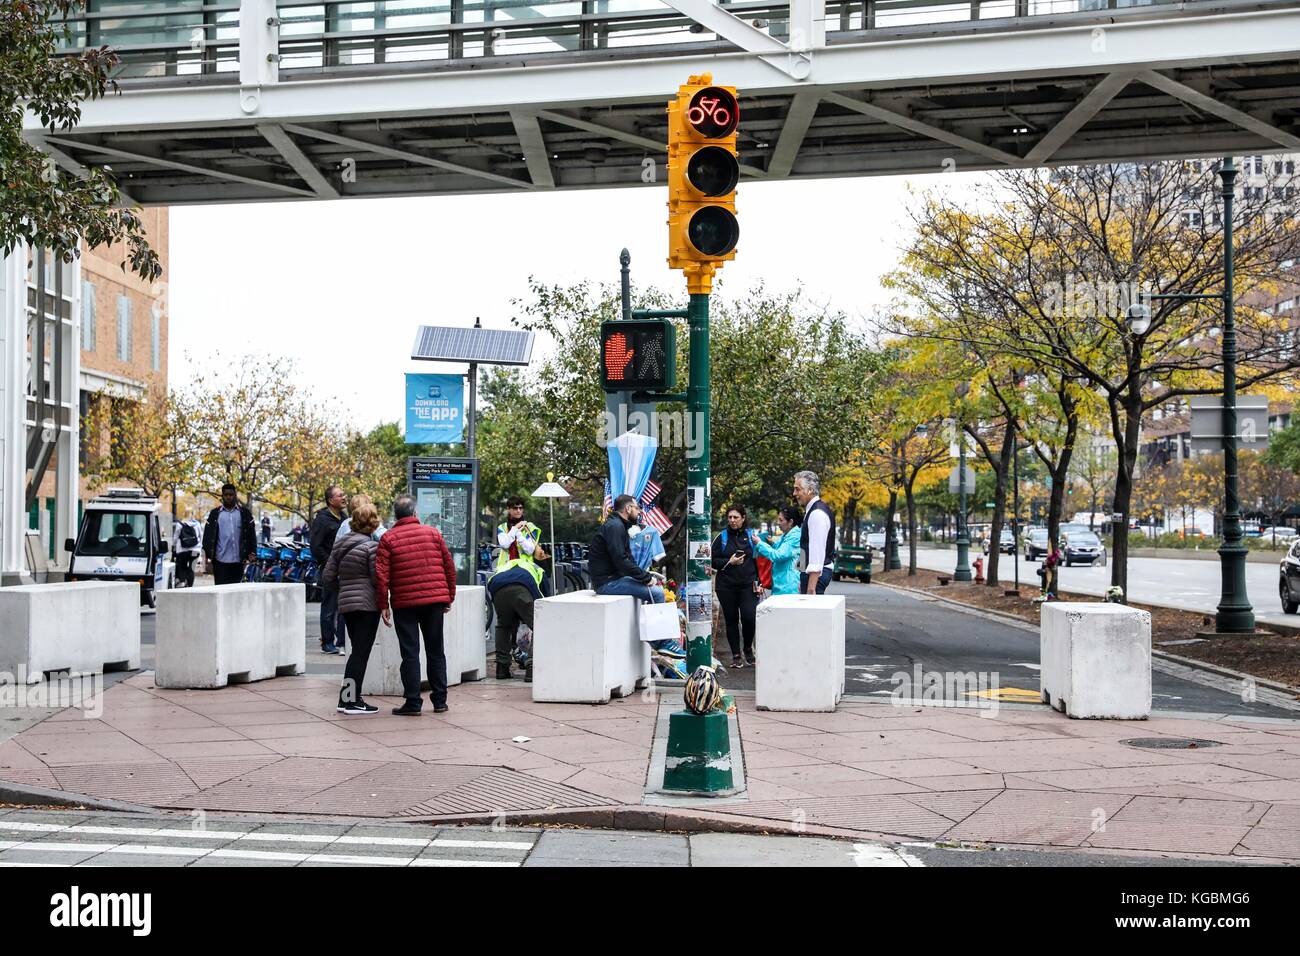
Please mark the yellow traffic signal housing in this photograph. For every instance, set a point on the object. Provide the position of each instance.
(703, 169)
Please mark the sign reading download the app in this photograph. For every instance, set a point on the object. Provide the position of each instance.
(435, 408)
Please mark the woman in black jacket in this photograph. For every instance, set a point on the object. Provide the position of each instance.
(737, 583)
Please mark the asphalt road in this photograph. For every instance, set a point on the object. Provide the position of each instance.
(889, 632)
(1167, 582)
(78, 839)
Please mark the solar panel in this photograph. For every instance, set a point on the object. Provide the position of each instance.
(444, 343)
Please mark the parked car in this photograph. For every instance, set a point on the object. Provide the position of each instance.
(120, 539)
(1083, 547)
(1281, 533)
(1289, 579)
(1036, 544)
(1006, 543)
(876, 540)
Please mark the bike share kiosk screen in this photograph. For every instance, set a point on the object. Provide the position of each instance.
(444, 490)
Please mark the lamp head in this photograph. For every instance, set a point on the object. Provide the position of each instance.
(1139, 317)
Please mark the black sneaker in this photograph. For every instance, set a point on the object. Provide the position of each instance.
(440, 710)
(407, 710)
(357, 707)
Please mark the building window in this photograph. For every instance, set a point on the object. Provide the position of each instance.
(1259, 164)
(123, 328)
(87, 316)
(1191, 219)
(155, 341)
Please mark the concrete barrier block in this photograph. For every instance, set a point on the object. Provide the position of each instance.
(800, 647)
(213, 636)
(586, 648)
(83, 627)
(1096, 660)
(464, 641)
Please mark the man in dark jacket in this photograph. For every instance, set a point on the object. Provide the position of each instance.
(613, 569)
(324, 529)
(415, 576)
(229, 537)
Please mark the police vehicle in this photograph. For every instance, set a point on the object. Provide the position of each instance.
(120, 539)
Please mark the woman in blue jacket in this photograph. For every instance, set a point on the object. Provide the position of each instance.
(784, 553)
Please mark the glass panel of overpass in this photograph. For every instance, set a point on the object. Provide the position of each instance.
(159, 38)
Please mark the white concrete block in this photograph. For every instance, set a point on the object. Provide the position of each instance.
(211, 636)
(464, 641)
(84, 627)
(586, 648)
(1096, 660)
(800, 647)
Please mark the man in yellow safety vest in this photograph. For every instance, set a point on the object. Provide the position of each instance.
(516, 582)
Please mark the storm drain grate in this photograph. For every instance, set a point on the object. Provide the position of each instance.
(1171, 743)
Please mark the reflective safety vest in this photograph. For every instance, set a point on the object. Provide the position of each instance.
(522, 558)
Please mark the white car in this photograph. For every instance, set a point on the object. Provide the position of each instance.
(1280, 532)
(120, 539)
(876, 540)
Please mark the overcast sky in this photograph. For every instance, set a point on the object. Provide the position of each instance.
(342, 286)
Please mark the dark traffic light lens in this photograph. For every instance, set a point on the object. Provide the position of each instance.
(713, 231)
(713, 113)
(712, 171)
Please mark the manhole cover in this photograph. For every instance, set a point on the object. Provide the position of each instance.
(1170, 743)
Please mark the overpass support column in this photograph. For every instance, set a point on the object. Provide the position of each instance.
(13, 407)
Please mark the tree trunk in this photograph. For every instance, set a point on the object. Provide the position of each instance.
(1001, 472)
(911, 529)
(1127, 455)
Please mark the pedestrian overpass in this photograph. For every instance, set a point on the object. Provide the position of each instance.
(225, 101)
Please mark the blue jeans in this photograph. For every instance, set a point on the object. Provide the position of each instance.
(331, 621)
(631, 586)
(823, 581)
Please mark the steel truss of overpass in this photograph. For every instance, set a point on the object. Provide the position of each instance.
(261, 101)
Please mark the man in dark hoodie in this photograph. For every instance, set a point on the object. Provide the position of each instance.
(613, 569)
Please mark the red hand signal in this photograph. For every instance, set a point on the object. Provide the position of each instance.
(617, 356)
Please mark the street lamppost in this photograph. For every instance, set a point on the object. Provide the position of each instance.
(962, 572)
(1234, 615)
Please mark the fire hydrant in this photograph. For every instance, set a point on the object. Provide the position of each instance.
(979, 570)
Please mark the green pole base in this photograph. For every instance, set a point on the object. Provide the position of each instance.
(1234, 615)
(699, 753)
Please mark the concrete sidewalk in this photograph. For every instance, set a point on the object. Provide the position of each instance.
(1024, 776)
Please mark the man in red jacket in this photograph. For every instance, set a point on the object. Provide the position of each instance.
(415, 576)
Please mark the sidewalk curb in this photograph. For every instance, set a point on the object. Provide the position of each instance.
(45, 797)
(1163, 655)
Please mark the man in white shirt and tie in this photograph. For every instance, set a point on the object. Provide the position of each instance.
(817, 537)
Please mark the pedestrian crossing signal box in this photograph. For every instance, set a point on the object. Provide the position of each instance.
(446, 496)
(638, 355)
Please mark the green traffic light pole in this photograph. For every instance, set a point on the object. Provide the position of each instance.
(1235, 614)
(699, 745)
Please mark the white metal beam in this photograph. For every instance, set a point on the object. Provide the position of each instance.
(803, 107)
(74, 167)
(295, 157)
(406, 155)
(923, 129)
(184, 167)
(626, 136)
(1159, 40)
(529, 131)
(1209, 104)
(1073, 121)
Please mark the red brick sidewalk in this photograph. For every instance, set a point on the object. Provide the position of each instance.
(1027, 777)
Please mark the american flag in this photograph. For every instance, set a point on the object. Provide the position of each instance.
(609, 500)
(651, 492)
(655, 518)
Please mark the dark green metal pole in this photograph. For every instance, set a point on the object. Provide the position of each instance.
(699, 745)
(1235, 615)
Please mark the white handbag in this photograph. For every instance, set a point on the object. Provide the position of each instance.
(658, 622)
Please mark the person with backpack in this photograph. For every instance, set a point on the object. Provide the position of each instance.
(736, 576)
(783, 552)
(187, 537)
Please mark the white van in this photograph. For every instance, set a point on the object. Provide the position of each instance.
(120, 539)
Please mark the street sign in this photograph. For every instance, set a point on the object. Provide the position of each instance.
(1207, 423)
(954, 481)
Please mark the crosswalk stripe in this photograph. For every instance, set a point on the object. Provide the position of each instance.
(482, 845)
(435, 861)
